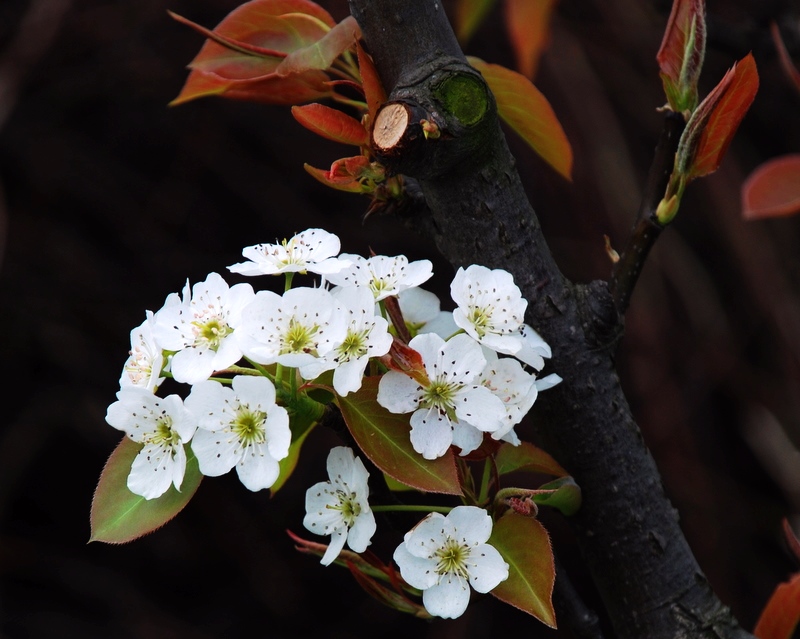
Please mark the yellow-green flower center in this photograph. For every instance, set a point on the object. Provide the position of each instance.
(299, 338)
(212, 332)
(354, 346)
(249, 427)
(348, 506)
(452, 557)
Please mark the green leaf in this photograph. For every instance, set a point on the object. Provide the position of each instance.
(118, 515)
(303, 416)
(525, 545)
(523, 107)
(384, 439)
(528, 458)
(562, 493)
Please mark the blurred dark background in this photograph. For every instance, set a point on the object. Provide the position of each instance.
(109, 200)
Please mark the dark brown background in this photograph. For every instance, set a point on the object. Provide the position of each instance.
(109, 200)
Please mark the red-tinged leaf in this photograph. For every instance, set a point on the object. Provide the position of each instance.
(348, 184)
(781, 615)
(680, 57)
(387, 596)
(712, 126)
(528, 27)
(331, 124)
(384, 438)
(404, 359)
(374, 93)
(528, 458)
(236, 63)
(772, 189)
(787, 65)
(525, 545)
(523, 107)
(118, 515)
(792, 542)
(320, 54)
(269, 89)
(229, 43)
(468, 16)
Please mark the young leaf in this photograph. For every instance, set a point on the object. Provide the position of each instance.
(332, 178)
(468, 15)
(527, 457)
(523, 107)
(528, 26)
(525, 545)
(118, 515)
(331, 124)
(681, 54)
(562, 493)
(781, 615)
(384, 438)
(236, 61)
(711, 128)
(374, 93)
(320, 54)
(772, 189)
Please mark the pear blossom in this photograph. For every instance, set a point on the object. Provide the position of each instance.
(312, 250)
(145, 359)
(295, 329)
(240, 426)
(383, 275)
(452, 407)
(422, 313)
(444, 555)
(163, 426)
(339, 507)
(200, 328)
(367, 336)
(490, 307)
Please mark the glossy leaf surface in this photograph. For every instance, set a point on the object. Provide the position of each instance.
(528, 458)
(525, 545)
(384, 439)
(523, 107)
(331, 124)
(118, 515)
(321, 53)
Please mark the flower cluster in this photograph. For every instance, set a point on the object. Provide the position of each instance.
(250, 357)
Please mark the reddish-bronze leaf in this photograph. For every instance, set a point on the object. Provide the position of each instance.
(681, 54)
(523, 107)
(525, 545)
(331, 124)
(528, 458)
(374, 92)
(339, 182)
(237, 62)
(788, 66)
(781, 615)
(528, 27)
(404, 359)
(712, 126)
(772, 189)
(384, 438)
(320, 54)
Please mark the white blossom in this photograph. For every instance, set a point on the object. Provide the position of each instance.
(453, 407)
(163, 426)
(200, 328)
(145, 359)
(383, 275)
(339, 507)
(422, 313)
(312, 250)
(295, 329)
(444, 556)
(367, 336)
(240, 426)
(490, 307)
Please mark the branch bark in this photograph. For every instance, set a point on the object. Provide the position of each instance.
(628, 531)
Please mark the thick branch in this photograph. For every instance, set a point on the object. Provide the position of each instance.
(629, 533)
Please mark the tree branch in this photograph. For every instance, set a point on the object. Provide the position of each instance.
(628, 531)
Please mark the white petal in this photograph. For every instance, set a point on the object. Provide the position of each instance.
(154, 470)
(466, 437)
(279, 435)
(334, 548)
(257, 470)
(431, 433)
(547, 382)
(398, 393)
(360, 534)
(487, 568)
(418, 305)
(473, 525)
(449, 598)
(419, 572)
(215, 452)
(463, 358)
(477, 405)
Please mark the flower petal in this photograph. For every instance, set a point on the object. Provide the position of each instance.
(449, 598)
(487, 568)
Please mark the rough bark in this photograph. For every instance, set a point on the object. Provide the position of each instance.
(628, 531)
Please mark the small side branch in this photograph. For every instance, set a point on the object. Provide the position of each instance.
(647, 228)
